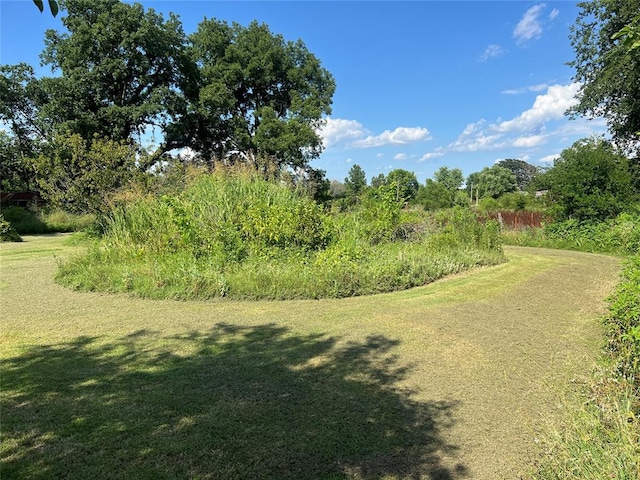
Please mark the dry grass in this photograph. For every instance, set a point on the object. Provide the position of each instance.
(445, 381)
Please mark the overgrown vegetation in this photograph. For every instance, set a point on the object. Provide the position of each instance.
(239, 236)
(619, 235)
(30, 221)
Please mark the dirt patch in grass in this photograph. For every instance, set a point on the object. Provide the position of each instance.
(451, 380)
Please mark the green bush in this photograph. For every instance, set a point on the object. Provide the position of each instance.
(515, 201)
(381, 213)
(7, 232)
(488, 204)
(623, 324)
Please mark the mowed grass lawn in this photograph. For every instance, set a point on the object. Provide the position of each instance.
(451, 380)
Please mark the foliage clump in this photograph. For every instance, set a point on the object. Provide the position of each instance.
(34, 220)
(240, 236)
(619, 235)
(7, 232)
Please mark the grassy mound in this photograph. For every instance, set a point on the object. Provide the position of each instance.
(239, 236)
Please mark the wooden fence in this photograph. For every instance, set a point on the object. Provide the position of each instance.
(518, 220)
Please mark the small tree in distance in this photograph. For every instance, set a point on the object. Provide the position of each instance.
(451, 178)
(356, 182)
(524, 172)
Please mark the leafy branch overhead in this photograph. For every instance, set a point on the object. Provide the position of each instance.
(630, 34)
(606, 43)
(53, 6)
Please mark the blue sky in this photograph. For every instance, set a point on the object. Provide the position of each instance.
(420, 84)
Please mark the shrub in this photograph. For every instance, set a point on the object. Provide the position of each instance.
(623, 324)
(7, 232)
(381, 213)
(78, 175)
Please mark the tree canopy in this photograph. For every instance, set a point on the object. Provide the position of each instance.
(21, 99)
(524, 172)
(230, 93)
(435, 195)
(607, 69)
(492, 181)
(451, 178)
(119, 66)
(356, 181)
(590, 180)
(406, 184)
(252, 97)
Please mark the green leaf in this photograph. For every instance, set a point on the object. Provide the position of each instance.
(53, 6)
(623, 31)
(39, 4)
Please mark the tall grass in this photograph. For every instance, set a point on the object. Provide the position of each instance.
(240, 236)
(35, 221)
(620, 235)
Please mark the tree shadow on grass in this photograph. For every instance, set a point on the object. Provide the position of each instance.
(231, 403)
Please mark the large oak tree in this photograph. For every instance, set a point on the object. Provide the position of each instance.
(118, 67)
(252, 97)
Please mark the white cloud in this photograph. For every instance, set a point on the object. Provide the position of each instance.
(379, 155)
(351, 133)
(474, 137)
(492, 51)
(527, 131)
(530, 141)
(550, 106)
(184, 154)
(529, 88)
(554, 14)
(399, 136)
(338, 130)
(400, 156)
(478, 142)
(529, 27)
(549, 158)
(583, 127)
(438, 152)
